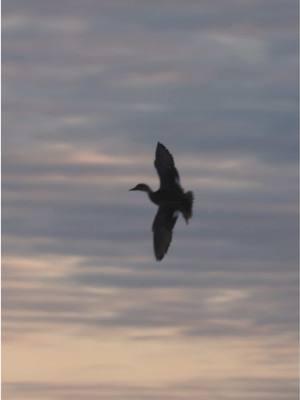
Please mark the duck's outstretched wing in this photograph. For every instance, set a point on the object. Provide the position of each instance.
(162, 228)
(165, 166)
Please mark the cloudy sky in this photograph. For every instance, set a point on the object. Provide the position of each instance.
(89, 87)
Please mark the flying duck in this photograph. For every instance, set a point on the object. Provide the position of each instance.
(170, 199)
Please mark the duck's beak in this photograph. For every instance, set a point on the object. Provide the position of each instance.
(132, 189)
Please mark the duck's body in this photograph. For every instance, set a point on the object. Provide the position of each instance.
(160, 197)
(170, 198)
(173, 198)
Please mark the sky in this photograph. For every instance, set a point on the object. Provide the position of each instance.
(89, 88)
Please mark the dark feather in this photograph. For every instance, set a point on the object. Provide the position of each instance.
(165, 166)
(162, 228)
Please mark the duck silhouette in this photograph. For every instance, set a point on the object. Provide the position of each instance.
(170, 198)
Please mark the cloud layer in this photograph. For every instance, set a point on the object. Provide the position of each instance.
(88, 91)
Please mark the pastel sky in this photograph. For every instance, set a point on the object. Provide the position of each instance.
(89, 87)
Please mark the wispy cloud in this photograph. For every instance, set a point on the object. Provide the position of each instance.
(88, 91)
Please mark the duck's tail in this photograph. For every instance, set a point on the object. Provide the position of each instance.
(188, 206)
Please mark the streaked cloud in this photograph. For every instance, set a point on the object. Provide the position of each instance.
(88, 91)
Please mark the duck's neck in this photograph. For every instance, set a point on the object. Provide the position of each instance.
(148, 189)
(149, 192)
(151, 195)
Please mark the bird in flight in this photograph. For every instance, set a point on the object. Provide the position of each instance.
(170, 199)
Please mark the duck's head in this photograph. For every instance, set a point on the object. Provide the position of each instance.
(142, 187)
